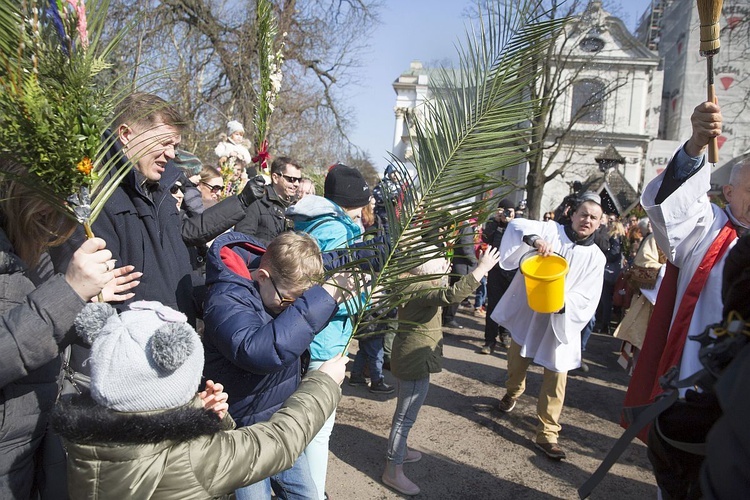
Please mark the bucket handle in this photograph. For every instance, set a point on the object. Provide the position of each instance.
(534, 252)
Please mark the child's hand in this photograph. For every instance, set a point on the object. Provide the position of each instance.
(214, 398)
(339, 286)
(118, 289)
(335, 368)
(487, 260)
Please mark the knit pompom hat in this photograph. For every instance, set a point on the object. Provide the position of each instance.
(148, 358)
(234, 126)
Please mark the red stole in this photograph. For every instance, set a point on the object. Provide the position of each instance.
(662, 351)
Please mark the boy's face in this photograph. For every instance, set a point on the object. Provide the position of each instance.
(275, 297)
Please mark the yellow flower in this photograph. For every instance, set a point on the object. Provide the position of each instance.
(85, 166)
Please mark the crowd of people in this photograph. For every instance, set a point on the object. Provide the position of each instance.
(212, 298)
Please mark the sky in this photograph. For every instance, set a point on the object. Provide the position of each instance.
(424, 30)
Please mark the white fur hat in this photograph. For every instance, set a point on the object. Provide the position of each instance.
(147, 358)
(234, 126)
(436, 265)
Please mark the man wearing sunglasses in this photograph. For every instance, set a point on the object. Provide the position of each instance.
(265, 218)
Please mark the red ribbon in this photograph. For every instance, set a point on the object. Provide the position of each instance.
(263, 156)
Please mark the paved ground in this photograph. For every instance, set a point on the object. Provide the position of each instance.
(473, 451)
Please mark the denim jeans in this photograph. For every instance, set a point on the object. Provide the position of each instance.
(317, 450)
(586, 333)
(411, 396)
(370, 352)
(480, 296)
(292, 484)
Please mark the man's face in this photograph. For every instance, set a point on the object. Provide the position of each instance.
(149, 148)
(738, 196)
(586, 219)
(505, 215)
(285, 184)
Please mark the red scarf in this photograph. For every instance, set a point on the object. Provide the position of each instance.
(662, 350)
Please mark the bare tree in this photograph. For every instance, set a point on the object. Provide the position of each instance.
(552, 141)
(202, 54)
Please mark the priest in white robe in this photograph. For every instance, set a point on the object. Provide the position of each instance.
(696, 236)
(551, 340)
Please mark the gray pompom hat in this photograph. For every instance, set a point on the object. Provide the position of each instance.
(148, 358)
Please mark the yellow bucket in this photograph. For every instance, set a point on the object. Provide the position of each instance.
(545, 281)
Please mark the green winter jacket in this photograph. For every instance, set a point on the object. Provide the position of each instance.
(418, 346)
(185, 453)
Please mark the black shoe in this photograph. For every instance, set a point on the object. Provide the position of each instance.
(505, 341)
(452, 324)
(381, 388)
(357, 380)
(507, 404)
(488, 349)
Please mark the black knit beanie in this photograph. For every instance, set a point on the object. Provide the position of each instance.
(346, 187)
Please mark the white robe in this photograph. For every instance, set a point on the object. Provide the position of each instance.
(552, 340)
(685, 225)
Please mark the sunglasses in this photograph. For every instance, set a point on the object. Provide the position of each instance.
(214, 189)
(283, 300)
(292, 180)
(174, 189)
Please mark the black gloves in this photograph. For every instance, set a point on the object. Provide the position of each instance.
(253, 190)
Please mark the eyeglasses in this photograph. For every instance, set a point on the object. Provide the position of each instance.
(283, 300)
(292, 180)
(214, 189)
(174, 189)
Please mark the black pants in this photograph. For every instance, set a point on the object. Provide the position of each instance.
(459, 269)
(498, 281)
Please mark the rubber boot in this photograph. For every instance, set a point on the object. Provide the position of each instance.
(394, 477)
(412, 456)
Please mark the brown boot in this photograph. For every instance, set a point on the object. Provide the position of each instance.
(394, 477)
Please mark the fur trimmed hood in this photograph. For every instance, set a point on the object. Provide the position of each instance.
(80, 420)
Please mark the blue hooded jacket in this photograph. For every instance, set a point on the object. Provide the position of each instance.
(332, 228)
(254, 354)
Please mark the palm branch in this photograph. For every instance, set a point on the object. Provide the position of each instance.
(54, 103)
(476, 125)
(269, 78)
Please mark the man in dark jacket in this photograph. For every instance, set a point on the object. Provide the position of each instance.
(498, 279)
(140, 222)
(265, 218)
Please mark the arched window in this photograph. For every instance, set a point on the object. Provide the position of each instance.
(588, 102)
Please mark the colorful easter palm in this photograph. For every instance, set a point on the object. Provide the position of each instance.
(270, 60)
(55, 103)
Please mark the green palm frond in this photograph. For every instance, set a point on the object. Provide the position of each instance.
(476, 125)
(55, 103)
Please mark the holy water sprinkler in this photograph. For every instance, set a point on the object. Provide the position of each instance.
(709, 12)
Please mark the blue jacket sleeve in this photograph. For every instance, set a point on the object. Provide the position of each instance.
(254, 341)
